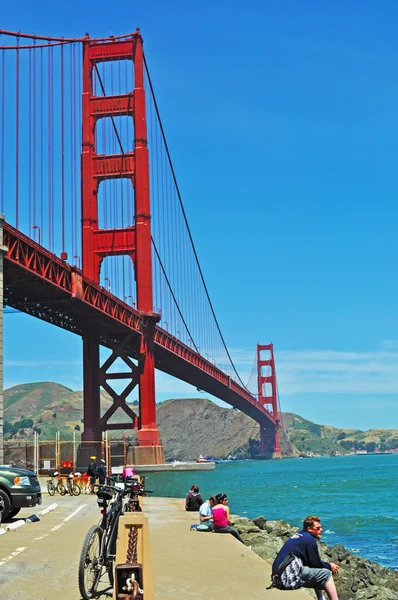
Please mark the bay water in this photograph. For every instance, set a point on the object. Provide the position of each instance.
(356, 497)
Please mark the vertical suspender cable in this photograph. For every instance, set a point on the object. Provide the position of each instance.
(41, 143)
(30, 141)
(2, 128)
(34, 136)
(17, 139)
(72, 143)
(62, 150)
(49, 165)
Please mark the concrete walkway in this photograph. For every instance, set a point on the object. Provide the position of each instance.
(188, 564)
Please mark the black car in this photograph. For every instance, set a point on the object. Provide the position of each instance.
(19, 488)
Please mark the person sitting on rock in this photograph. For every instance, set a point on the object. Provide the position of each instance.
(316, 573)
(221, 521)
(206, 512)
(194, 500)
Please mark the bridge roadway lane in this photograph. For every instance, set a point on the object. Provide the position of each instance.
(40, 560)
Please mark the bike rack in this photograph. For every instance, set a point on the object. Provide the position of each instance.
(133, 556)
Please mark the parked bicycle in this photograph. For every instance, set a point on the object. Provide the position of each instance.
(71, 486)
(53, 488)
(99, 547)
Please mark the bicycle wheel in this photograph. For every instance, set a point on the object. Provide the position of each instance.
(61, 489)
(69, 488)
(75, 490)
(50, 488)
(90, 564)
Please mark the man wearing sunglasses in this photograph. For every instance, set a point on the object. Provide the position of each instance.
(316, 573)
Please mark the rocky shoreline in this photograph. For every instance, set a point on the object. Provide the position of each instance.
(358, 577)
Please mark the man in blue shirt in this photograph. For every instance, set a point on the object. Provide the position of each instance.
(206, 513)
(316, 573)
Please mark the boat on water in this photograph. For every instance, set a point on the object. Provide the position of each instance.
(204, 459)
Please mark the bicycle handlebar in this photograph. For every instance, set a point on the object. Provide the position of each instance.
(121, 492)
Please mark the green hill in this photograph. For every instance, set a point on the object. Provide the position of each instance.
(188, 427)
(46, 407)
(324, 439)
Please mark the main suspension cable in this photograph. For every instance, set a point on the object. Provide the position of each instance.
(187, 225)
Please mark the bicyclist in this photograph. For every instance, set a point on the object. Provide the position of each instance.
(92, 472)
(101, 472)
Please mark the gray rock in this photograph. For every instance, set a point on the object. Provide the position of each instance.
(259, 521)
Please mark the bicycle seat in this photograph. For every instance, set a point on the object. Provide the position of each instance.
(55, 474)
(104, 494)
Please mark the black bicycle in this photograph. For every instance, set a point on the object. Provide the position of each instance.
(99, 547)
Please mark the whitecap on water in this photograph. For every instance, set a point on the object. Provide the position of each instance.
(329, 531)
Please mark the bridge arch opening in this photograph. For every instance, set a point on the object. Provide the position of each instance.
(114, 135)
(113, 77)
(115, 203)
(117, 277)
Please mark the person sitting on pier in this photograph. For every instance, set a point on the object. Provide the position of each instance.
(312, 572)
(221, 521)
(206, 513)
(194, 500)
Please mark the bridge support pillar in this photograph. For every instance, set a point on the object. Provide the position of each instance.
(91, 436)
(269, 442)
(149, 450)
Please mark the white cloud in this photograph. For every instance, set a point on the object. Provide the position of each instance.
(330, 371)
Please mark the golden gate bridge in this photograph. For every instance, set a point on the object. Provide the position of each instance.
(96, 237)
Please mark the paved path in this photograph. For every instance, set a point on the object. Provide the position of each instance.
(40, 560)
(204, 566)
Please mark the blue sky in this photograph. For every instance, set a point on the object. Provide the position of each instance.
(281, 119)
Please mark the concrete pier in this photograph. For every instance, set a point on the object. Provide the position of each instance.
(189, 564)
(175, 466)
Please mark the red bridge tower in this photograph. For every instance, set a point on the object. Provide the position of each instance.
(133, 240)
(269, 437)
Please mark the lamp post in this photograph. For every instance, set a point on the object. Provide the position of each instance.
(131, 300)
(77, 257)
(109, 283)
(38, 230)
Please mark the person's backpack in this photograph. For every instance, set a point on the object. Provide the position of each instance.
(288, 574)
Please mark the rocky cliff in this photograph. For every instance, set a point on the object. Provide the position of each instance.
(192, 426)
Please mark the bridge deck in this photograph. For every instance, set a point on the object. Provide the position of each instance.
(188, 564)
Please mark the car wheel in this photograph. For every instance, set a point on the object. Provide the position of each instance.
(5, 505)
(13, 513)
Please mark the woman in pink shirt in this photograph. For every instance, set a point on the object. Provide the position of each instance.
(221, 520)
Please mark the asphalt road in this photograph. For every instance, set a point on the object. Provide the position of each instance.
(40, 560)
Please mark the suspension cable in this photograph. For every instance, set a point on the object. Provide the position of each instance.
(187, 226)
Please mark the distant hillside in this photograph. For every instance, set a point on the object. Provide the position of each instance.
(188, 427)
(45, 407)
(192, 426)
(324, 439)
